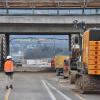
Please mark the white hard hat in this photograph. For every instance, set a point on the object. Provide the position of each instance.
(9, 57)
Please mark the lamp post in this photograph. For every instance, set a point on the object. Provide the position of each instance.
(80, 25)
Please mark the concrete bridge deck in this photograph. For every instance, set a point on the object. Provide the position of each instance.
(95, 19)
(45, 24)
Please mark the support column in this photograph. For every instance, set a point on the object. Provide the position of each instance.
(4, 48)
(80, 43)
(69, 42)
(2, 60)
(7, 45)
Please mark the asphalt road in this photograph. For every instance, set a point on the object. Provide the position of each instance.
(41, 86)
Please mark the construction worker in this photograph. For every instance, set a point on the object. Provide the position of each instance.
(9, 69)
(52, 63)
(66, 67)
(66, 64)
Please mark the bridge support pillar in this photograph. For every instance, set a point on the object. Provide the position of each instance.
(7, 45)
(4, 48)
(69, 42)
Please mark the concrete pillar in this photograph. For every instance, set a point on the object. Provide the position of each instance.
(69, 42)
(7, 45)
(4, 48)
(1, 68)
(80, 43)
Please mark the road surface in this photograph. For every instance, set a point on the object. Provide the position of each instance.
(41, 86)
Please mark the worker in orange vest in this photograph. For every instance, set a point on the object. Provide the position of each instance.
(66, 65)
(9, 69)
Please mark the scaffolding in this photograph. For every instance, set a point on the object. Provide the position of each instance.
(49, 3)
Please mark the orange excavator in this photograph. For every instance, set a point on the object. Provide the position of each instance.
(85, 61)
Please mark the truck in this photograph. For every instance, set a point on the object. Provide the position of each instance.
(84, 68)
(59, 63)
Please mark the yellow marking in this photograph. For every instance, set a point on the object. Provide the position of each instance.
(80, 97)
(7, 94)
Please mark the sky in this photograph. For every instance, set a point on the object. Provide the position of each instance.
(54, 38)
(40, 36)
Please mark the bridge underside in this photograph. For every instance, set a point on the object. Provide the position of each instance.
(21, 29)
(36, 29)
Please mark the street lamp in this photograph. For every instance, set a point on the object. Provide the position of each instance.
(75, 22)
(80, 25)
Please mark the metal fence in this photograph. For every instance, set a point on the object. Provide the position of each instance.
(53, 11)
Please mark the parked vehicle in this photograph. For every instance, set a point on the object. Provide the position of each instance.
(59, 64)
(18, 64)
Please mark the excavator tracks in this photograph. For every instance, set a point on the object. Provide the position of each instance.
(88, 84)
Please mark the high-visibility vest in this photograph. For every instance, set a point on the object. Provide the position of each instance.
(9, 66)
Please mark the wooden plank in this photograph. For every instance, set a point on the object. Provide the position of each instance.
(2, 4)
(49, 4)
(93, 4)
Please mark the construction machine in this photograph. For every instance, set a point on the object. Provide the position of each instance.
(85, 61)
(59, 64)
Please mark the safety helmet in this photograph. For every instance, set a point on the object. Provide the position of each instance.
(9, 57)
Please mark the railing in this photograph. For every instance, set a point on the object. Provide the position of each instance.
(49, 7)
(50, 11)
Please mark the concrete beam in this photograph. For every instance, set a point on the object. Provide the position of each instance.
(40, 28)
(44, 24)
(89, 19)
(37, 28)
